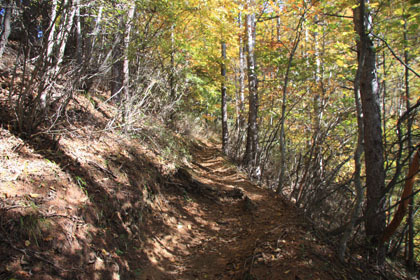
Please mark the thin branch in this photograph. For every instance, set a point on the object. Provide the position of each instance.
(395, 55)
(262, 19)
(407, 113)
(335, 15)
(360, 219)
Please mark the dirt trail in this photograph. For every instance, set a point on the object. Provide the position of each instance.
(224, 236)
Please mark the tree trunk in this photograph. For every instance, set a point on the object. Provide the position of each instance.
(94, 34)
(241, 109)
(64, 33)
(357, 169)
(51, 35)
(4, 37)
(225, 136)
(172, 68)
(126, 62)
(59, 42)
(374, 162)
(252, 135)
(117, 77)
(318, 108)
(384, 96)
(410, 220)
(79, 37)
(283, 135)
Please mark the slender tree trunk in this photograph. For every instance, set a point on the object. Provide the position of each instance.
(126, 61)
(241, 106)
(283, 135)
(317, 95)
(4, 37)
(410, 220)
(384, 91)
(374, 161)
(318, 111)
(64, 33)
(240, 93)
(60, 42)
(252, 135)
(117, 79)
(79, 44)
(357, 169)
(51, 36)
(283, 106)
(172, 69)
(91, 62)
(283, 114)
(225, 133)
(94, 34)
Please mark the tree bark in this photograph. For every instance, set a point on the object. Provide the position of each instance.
(79, 37)
(357, 169)
(172, 68)
(252, 133)
(117, 77)
(94, 34)
(241, 109)
(225, 133)
(4, 37)
(64, 33)
(126, 61)
(60, 43)
(51, 35)
(318, 108)
(374, 161)
(410, 219)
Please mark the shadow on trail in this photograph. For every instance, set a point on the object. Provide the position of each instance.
(104, 237)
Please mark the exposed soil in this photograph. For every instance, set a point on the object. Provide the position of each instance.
(224, 235)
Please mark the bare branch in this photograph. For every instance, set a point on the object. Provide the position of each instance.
(395, 55)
